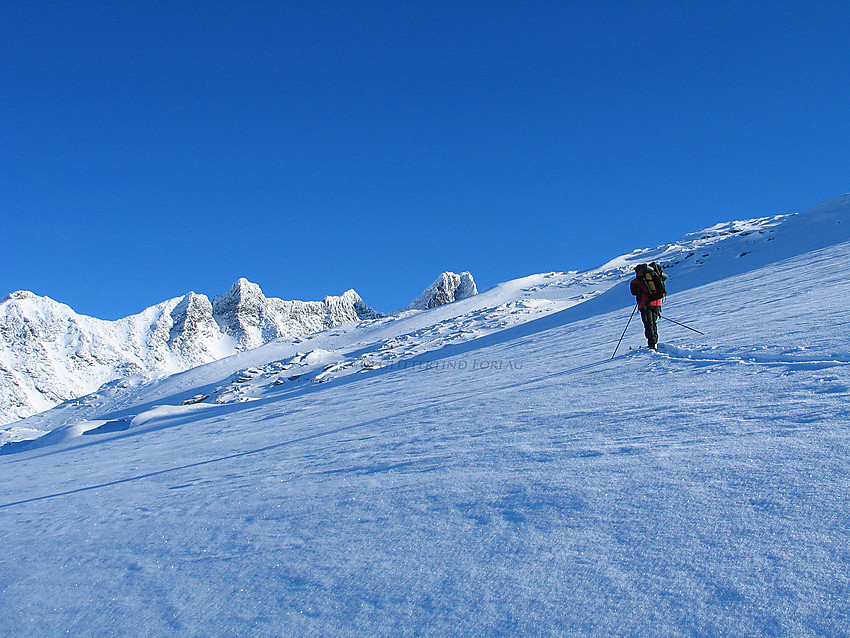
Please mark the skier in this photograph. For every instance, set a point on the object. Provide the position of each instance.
(648, 287)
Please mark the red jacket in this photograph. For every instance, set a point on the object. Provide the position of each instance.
(641, 291)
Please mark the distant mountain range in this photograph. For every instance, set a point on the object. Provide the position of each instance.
(50, 354)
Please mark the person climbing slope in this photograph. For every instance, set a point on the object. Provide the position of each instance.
(648, 287)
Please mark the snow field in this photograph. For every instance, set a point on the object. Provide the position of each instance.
(696, 491)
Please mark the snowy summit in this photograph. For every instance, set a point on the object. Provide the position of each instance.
(447, 288)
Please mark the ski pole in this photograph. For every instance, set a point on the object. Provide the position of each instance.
(681, 324)
(624, 331)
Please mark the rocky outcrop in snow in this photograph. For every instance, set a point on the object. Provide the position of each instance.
(195, 337)
(447, 288)
(252, 319)
(50, 354)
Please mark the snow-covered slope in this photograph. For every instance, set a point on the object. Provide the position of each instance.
(481, 468)
(49, 353)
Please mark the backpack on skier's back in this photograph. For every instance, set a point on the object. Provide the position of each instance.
(653, 275)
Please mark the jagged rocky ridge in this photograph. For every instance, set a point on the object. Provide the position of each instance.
(252, 319)
(447, 288)
(50, 354)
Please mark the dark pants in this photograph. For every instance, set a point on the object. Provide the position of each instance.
(650, 316)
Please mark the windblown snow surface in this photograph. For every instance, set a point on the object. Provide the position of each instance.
(484, 468)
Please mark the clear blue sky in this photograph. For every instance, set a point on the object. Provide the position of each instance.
(152, 148)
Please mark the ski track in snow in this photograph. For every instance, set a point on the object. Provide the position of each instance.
(365, 482)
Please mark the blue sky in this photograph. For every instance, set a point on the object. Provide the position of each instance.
(152, 148)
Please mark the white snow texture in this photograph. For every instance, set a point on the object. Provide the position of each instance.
(482, 468)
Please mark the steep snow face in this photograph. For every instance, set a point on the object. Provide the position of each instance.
(50, 354)
(447, 288)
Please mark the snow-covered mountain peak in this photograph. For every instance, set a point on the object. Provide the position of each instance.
(349, 296)
(349, 307)
(18, 295)
(29, 302)
(194, 335)
(241, 292)
(242, 314)
(447, 288)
